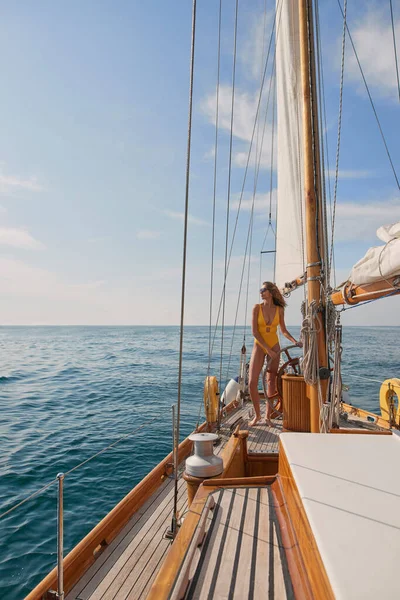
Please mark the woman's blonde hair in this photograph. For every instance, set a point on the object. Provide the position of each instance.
(277, 297)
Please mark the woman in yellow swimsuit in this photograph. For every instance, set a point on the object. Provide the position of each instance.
(266, 318)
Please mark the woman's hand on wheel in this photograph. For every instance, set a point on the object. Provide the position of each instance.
(299, 344)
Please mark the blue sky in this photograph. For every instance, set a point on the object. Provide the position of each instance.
(92, 156)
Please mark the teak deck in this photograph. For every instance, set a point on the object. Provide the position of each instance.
(243, 555)
(128, 566)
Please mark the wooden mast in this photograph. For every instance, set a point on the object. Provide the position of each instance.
(314, 240)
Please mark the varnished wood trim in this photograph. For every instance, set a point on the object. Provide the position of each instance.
(360, 431)
(262, 465)
(170, 569)
(297, 570)
(233, 457)
(359, 412)
(318, 578)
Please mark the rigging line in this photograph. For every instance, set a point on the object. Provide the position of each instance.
(249, 237)
(215, 185)
(321, 93)
(314, 132)
(273, 77)
(261, 72)
(350, 374)
(189, 140)
(110, 446)
(229, 192)
(339, 131)
(271, 177)
(272, 162)
(250, 228)
(76, 467)
(394, 46)
(300, 174)
(258, 166)
(324, 111)
(28, 498)
(246, 170)
(371, 101)
(250, 232)
(258, 149)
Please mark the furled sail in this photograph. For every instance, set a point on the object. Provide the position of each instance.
(289, 234)
(380, 262)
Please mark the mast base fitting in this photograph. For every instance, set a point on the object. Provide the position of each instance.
(324, 373)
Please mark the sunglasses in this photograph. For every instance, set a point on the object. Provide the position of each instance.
(264, 289)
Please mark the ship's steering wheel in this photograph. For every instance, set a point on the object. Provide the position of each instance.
(288, 361)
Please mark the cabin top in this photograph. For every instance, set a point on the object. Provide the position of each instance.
(351, 496)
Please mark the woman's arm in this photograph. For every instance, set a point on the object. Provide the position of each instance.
(283, 328)
(256, 333)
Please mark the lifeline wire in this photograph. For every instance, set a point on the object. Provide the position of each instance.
(76, 467)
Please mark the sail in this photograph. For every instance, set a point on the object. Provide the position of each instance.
(289, 234)
(380, 262)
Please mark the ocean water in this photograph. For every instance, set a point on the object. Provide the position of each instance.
(68, 392)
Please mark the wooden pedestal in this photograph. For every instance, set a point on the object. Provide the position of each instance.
(296, 405)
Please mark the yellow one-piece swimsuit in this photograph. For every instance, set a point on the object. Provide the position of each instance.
(268, 332)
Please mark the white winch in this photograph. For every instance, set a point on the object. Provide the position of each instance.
(203, 462)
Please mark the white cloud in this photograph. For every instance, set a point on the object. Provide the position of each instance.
(98, 239)
(90, 285)
(245, 110)
(18, 238)
(373, 40)
(261, 204)
(355, 221)
(9, 182)
(146, 234)
(210, 154)
(180, 217)
(349, 174)
(253, 51)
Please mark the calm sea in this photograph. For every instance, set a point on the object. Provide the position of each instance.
(68, 392)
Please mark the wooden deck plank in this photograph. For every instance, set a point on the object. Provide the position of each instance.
(144, 567)
(242, 584)
(123, 539)
(223, 578)
(244, 557)
(201, 581)
(127, 568)
(154, 529)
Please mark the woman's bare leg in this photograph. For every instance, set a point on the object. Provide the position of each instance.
(256, 363)
(273, 365)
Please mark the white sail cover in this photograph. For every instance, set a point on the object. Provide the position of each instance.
(289, 245)
(380, 262)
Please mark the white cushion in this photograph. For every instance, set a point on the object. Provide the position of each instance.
(350, 488)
